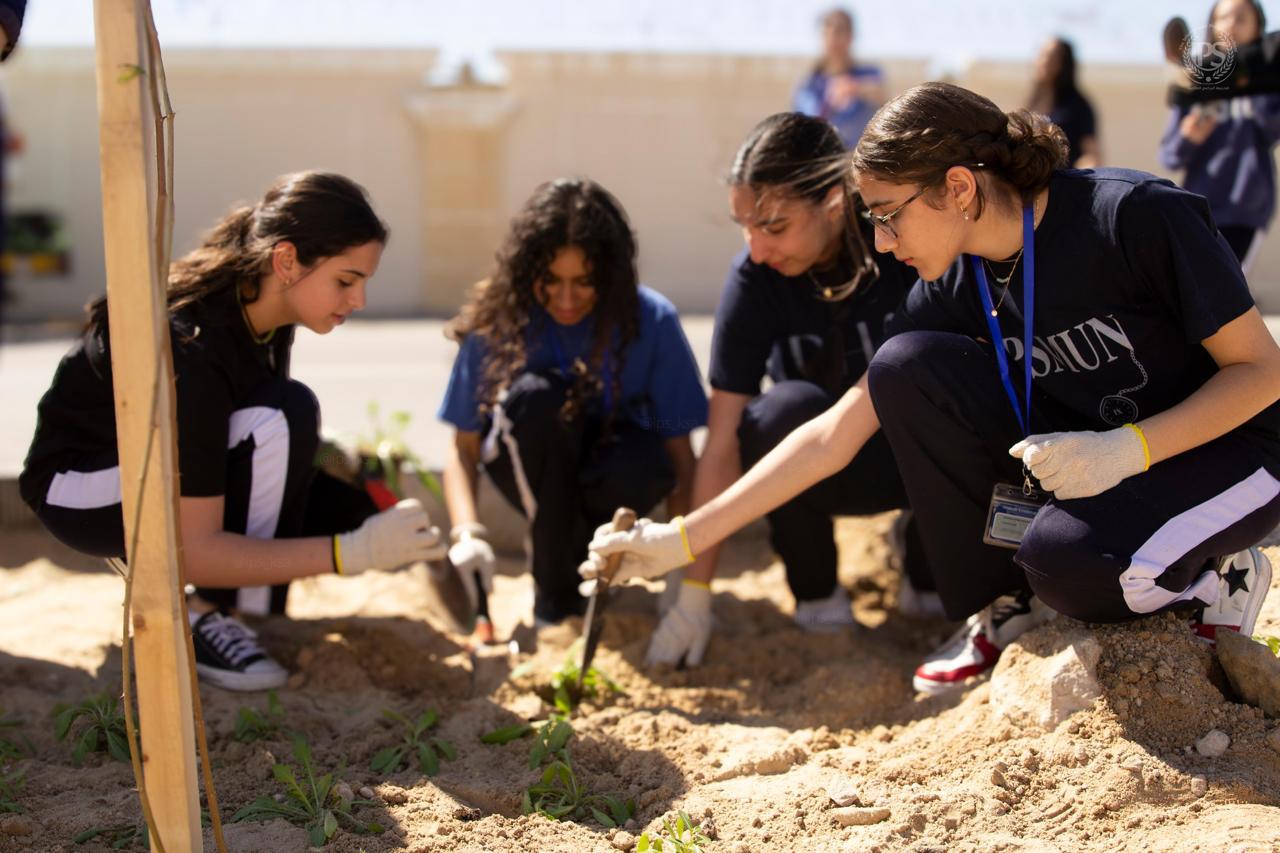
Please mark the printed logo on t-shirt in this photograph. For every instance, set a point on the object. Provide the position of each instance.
(1085, 348)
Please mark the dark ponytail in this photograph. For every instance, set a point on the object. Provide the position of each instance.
(322, 214)
(794, 156)
(919, 135)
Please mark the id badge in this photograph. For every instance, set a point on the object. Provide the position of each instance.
(1010, 514)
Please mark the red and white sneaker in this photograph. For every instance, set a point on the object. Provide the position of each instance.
(1244, 579)
(976, 647)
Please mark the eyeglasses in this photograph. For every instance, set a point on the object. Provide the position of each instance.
(884, 223)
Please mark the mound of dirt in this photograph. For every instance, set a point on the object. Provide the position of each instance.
(1085, 738)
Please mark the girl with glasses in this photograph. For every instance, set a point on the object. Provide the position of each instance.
(1079, 391)
(574, 389)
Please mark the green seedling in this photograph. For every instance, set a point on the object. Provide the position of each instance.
(679, 836)
(315, 806)
(429, 751)
(558, 794)
(117, 837)
(103, 731)
(15, 746)
(566, 695)
(506, 734)
(1272, 643)
(10, 785)
(252, 725)
(384, 450)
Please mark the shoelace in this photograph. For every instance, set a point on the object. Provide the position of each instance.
(232, 640)
(1000, 612)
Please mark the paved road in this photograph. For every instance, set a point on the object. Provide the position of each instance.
(400, 365)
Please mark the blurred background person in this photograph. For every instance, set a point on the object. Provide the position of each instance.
(839, 89)
(1054, 93)
(1225, 146)
(11, 14)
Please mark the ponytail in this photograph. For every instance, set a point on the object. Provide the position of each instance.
(919, 135)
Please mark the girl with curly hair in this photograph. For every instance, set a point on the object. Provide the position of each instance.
(574, 389)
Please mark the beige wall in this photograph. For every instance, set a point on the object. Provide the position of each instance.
(447, 167)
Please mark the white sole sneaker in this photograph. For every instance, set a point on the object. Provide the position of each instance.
(1244, 580)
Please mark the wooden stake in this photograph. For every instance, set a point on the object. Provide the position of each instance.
(142, 367)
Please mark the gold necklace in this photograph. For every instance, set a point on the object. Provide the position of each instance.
(244, 312)
(1004, 282)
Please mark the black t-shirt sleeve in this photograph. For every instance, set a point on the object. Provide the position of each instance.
(744, 331)
(1174, 249)
(936, 306)
(204, 405)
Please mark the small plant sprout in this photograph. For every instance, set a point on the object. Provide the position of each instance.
(312, 804)
(117, 837)
(103, 730)
(15, 746)
(10, 785)
(252, 725)
(1272, 643)
(681, 835)
(506, 734)
(558, 794)
(428, 750)
(565, 693)
(384, 450)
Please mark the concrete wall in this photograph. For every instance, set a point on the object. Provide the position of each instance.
(447, 167)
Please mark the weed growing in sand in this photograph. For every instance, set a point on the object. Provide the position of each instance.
(679, 836)
(117, 837)
(558, 794)
(564, 691)
(15, 746)
(428, 750)
(1272, 643)
(104, 730)
(252, 725)
(312, 804)
(10, 785)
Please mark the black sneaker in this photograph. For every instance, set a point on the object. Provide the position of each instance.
(228, 655)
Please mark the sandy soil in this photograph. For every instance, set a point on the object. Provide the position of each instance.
(757, 744)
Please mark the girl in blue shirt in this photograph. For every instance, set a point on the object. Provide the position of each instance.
(574, 389)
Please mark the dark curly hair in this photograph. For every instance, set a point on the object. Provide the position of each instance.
(504, 308)
(919, 135)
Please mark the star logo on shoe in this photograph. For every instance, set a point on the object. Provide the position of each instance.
(1235, 578)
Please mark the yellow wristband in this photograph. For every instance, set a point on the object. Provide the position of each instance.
(678, 521)
(698, 584)
(337, 557)
(1146, 449)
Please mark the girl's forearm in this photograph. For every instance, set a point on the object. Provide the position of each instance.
(809, 455)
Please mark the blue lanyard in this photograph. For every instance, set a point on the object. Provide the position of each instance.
(607, 380)
(1028, 312)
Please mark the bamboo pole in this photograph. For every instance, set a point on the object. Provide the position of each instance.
(144, 401)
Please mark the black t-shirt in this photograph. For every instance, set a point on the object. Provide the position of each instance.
(217, 365)
(1130, 277)
(762, 311)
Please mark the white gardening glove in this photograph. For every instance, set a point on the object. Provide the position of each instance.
(648, 549)
(400, 535)
(685, 630)
(472, 555)
(1083, 464)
